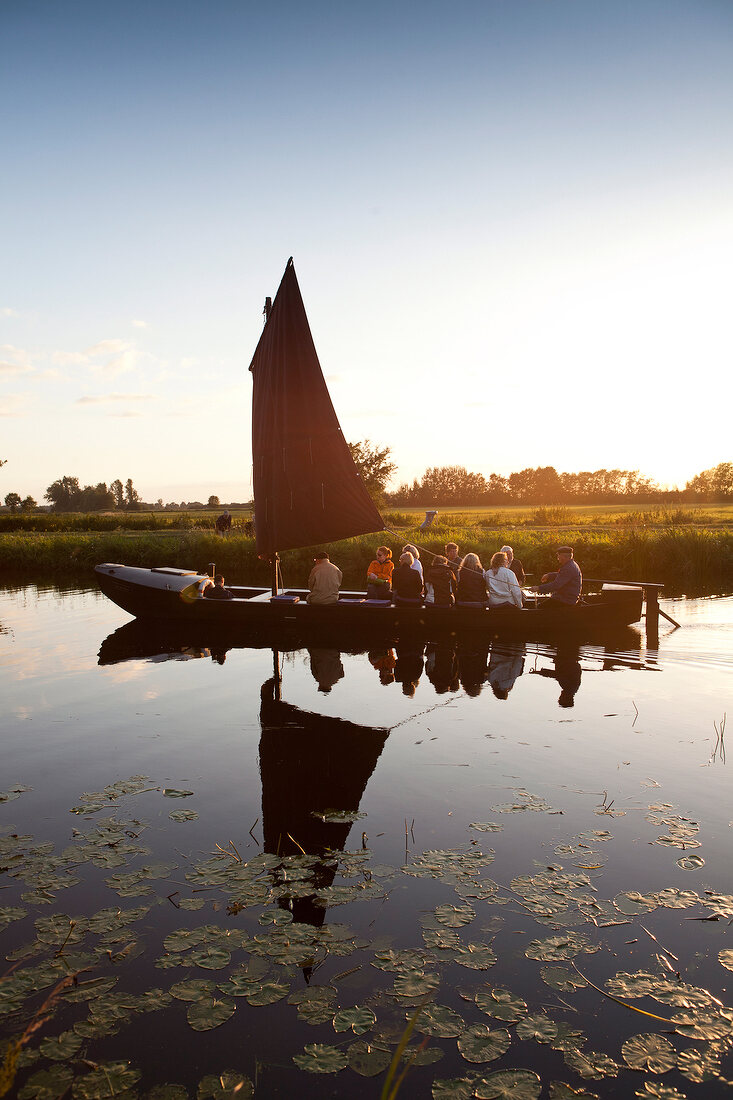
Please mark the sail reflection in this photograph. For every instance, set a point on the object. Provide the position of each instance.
(313, 769)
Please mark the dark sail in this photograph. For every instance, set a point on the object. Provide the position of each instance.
(307, 488)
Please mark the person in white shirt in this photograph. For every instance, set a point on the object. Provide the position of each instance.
(504, 591)
(416, 563)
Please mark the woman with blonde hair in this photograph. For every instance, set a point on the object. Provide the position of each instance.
(406, 581)
(416, 563)
(504, 591)
(471, 581)
(379, 575)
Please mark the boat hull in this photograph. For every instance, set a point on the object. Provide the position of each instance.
(170, 595)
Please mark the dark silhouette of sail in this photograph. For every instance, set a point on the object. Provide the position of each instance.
(310, 763)
(307, 488)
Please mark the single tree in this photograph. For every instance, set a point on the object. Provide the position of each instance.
(132, 497)
(118, 491)
(13, 501)
(64, 494)
(214, 501)
(28, 504)
(374, 466)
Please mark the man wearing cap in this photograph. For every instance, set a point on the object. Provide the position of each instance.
(565, 585)
(514, 563)
(452, 557)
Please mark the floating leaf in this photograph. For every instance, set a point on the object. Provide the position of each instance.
(479, 1044)
(649, 1052)
(566, 981)
(486, 827)
(47, 1084)
(61, 1048)
(167, 1092)
(107, 1080)
(509, 1084)
(725, 958)
(206, 1015)
(267, 993)
(699, 1065)
(228, 1085)
(539, 1027)
(366, 1059)
(173, 792)
(211, 957)
(355, 1019)
(321, 1058)
(502, 1005)
(455, 1088)
(337, 817)
(476, 956)
(591, 1064)
(183, 815)
(414, 985)
(440, 1021)
(560, 1091)
(559, 947)
(454, 916)
(654, 1091)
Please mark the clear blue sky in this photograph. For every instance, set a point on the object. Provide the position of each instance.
(512, 225)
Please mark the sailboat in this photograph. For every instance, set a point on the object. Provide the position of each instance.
(308, 492)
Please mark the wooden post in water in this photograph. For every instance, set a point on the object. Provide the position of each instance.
(275, 565)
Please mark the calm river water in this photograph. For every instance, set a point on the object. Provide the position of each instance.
(259, 866)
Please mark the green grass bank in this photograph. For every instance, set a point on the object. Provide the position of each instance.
(687, 561)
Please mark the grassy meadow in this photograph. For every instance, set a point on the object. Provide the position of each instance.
(687, 557)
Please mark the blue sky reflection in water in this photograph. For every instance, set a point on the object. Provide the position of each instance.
(641, 733)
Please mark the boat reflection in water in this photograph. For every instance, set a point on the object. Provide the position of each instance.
(314, 772)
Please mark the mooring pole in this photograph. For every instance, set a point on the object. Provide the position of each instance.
(275, 564)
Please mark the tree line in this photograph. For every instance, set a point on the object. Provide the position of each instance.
(455, 485)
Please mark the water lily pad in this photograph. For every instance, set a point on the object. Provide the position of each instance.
(167, 1092)
(699, 1065)
(61, 1048)
(183, 815)
(440, 1021)
(210, 957)
(591, 1064)
(509, 1084)
(725, 957)
(653, 1091)
(107, 1080)
(412, 986)
(355, 1019)
(538, 1027)
(486, 827)
(338, 817)
(368, 1059)
(455, 1088)
(560, 1091)
(454, 916)
(206, 1015)
(321, 1058)
(704, 1025)
(173, 792)
(228, 1085)
(267, 993)
(649, 1052)
(558, 977)
(47, 1084)
(476, 956)
(479, 1044)
(501, 1004)
(563, 946)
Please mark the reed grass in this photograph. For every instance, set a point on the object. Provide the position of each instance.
(684, 560)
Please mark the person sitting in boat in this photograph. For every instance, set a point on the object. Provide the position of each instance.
(565, 585)
(223, 523)
(416, 563)
(406, 581)
(452, 556)
(504, 591)
(440, 582)
(379, 575)
(471, 581)
(514, 564)
(324, 580)
(217, 591)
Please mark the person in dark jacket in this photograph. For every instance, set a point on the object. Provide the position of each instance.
(217, 591)
(566, 584)
(406, 581)
(514, 564)
(471, 581)
(440, 577)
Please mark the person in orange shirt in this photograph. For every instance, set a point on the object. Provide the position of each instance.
(379, 575)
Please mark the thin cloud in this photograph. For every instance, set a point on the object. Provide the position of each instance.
(13, 405)
(13, 368)
(100, 398)
(139, 324)
(6, 311)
